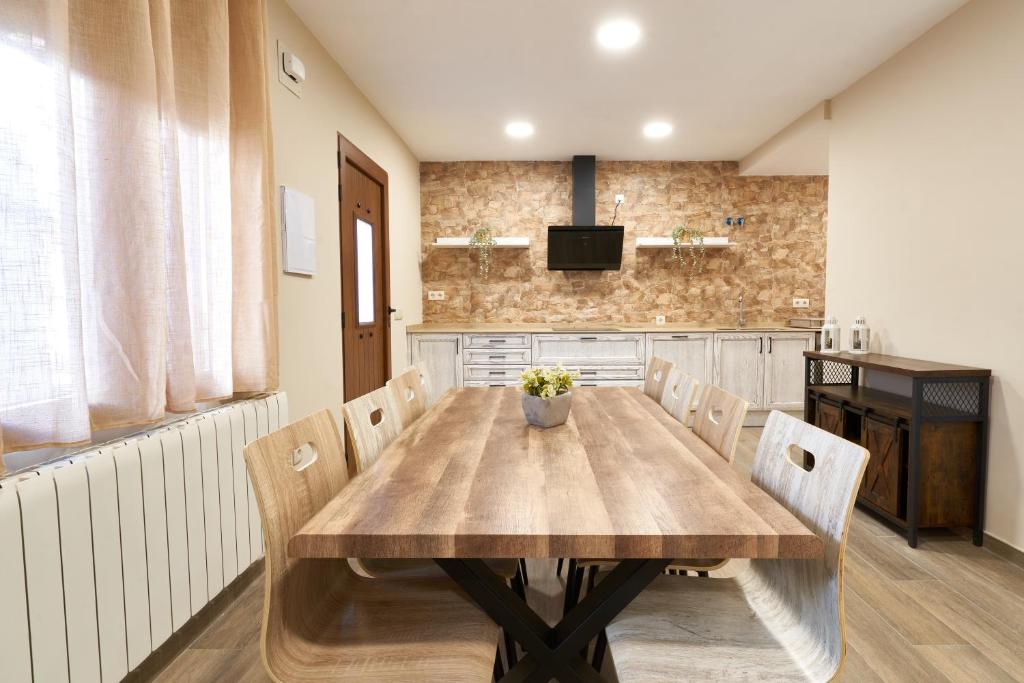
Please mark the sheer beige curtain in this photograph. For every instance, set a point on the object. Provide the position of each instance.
(137, 258)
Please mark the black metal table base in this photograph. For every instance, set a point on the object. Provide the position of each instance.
(553, 652)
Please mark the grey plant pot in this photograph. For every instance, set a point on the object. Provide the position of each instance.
(547, 412)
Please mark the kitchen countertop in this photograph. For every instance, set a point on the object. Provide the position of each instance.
(485, 328)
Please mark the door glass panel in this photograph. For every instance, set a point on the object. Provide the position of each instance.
(364, 272)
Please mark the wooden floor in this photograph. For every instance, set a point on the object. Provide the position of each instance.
(943, 611)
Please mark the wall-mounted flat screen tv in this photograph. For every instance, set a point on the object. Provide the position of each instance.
(584, 247)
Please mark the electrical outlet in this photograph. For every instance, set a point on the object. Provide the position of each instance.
(801, 303)
(435, 295)
(659, 320)
(620, 198)
(397, 314)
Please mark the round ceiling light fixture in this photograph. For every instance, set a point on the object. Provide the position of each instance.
(519, 129)
(658, 129)
(618, 34)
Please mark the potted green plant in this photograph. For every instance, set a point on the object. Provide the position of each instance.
(546, 395)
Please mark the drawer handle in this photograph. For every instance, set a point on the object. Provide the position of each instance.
(495, 385)
(496, 356)
(680, 336)
(588, 372)
(496, 372)
(588, 338)
(497, 341)
(588, 384)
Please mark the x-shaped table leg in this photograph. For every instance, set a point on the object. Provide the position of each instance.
(553, 652)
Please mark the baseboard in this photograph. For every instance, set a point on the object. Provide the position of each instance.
(179, 641)
(1005, 550)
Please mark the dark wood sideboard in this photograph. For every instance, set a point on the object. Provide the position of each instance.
(929, 449)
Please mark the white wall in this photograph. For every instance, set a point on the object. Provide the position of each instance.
(925, 235)
(305, 147)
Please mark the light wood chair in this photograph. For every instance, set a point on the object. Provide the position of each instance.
(373, 423)
(779, 619)
(425, 382)
(323, 623)
(409, 394)
(719, 419)
(677, 398)
(656, 377)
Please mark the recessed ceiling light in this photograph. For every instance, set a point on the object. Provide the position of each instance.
(519, 129)
(619, 34)
(657, 129)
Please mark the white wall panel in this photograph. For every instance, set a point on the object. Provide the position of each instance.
(177, 526)
(133, 553)
(41, 529)
(226, 483)
(194, 517)
(241, 488)
(72, 485)
(106, 550)
(157, 566)
(249, 418)
(15, 653)
(211, 506)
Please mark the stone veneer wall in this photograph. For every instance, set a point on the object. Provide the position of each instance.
(781, 252)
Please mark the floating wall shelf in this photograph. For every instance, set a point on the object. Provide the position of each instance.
(463, 242)
(666, 242)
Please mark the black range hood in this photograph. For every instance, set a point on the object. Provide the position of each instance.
(584, 245)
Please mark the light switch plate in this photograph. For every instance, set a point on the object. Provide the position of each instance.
(435, 295)
(659, 320)
(801, 303)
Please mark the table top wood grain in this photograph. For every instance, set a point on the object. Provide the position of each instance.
(621, 479)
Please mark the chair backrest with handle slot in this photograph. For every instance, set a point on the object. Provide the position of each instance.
(719, 419)
(803, 599)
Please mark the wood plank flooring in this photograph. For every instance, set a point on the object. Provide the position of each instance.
(945, 611)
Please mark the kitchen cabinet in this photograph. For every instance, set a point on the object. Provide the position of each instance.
(764, 367)
(691, 352)
(784, 369)
(588, 349)
(440, 356)
(739, 365)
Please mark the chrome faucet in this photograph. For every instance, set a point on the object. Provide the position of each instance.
(742, 321)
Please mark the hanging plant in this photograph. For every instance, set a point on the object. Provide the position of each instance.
(688, 242)
(483, 241)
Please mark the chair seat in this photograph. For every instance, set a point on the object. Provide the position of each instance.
(692, 629)
(367, 630)
(424, 569)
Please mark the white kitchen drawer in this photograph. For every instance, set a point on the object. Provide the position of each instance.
(609, 383)
(492, 383)
(496, 357)
(610, 372)
(493, 372)
(496, 341)
(588, 349)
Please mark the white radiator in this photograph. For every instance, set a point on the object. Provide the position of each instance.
(105, 554)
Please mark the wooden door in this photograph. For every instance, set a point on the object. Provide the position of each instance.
(784, 369)
(830, 418)
(691, 353)
(365, 309)
(881, 484)
(739, 365)
(440, 357)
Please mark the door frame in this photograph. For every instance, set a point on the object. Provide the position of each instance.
(350, 154)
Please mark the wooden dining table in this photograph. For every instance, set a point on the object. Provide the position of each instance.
(471, 480)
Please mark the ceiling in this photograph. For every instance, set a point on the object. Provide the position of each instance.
(728, 74)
